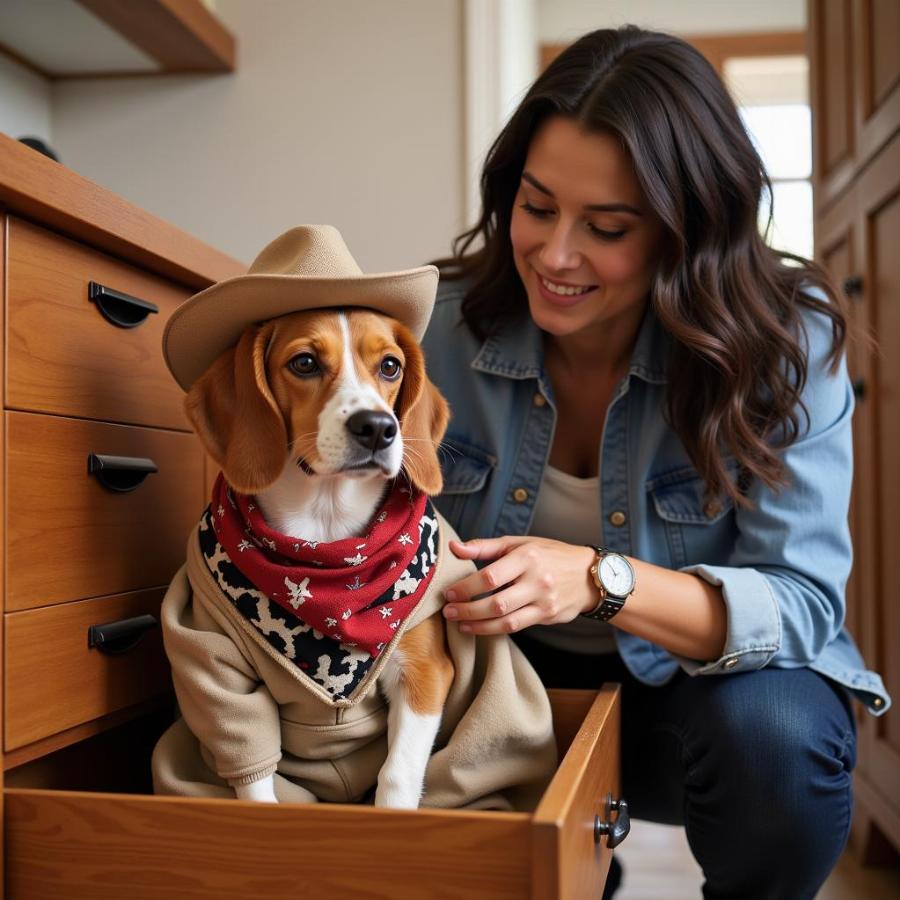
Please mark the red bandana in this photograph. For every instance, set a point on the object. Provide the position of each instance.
(356, 591)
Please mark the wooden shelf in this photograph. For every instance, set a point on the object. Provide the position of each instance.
(65, 39)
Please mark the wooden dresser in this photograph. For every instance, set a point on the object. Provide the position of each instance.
(103, 481)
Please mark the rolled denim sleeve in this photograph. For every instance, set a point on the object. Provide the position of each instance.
(783, 584)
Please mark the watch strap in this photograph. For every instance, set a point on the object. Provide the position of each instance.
(608, 605)
(605, 609)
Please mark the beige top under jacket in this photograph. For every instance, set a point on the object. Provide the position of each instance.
(248, 711)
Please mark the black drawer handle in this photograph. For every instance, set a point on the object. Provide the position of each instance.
(123, 310)
(119, 637)
(120, 473)
(859, 388)
(617, 830)
(853, 285)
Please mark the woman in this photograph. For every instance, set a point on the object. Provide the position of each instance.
(640, 385)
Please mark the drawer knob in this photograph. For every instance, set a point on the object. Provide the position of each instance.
(616, 831)
(120, 473)
(119, 637)
(853, 286)
(122, 310)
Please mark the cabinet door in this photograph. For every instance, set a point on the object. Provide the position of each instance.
(879, 224)
(838, 249)
(832, 88)
(876, 28)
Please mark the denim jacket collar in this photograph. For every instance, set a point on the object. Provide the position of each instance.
(517, 351)
(513, 352)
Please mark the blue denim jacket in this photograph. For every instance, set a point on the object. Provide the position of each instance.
(782, 565)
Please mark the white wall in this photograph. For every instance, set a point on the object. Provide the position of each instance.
(24, 102)
(348, 113)
(565, 20)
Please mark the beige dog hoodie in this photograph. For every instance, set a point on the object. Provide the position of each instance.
(250, 710)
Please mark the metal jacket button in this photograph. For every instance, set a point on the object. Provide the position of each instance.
(878, 703)
(539, 400)
(617, 518)
(520, 495)
(730, 663)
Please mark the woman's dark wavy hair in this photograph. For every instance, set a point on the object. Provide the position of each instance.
(730, 303)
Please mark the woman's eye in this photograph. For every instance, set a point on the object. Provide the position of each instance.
(535, 211)
(390, 368)
(540, 213)
(605, 235)
(304, 364)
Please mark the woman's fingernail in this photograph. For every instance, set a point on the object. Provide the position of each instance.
(450, 612)
(450, 595)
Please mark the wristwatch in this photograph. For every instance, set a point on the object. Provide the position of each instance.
(614, 577)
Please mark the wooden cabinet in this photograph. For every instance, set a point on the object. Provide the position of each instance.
(855, 75)
(79, 818)
(101, 479)
(877, 196)
(97, 512)
(854, 87)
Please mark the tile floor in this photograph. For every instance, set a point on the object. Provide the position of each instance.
(672, 874)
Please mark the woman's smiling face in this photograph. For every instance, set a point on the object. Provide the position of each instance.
(585, 241)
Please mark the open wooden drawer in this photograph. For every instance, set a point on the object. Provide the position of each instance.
(86, 844)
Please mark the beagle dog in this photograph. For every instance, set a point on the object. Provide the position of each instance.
(316, 413)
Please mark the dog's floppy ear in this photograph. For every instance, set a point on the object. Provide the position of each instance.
(423, 415)
(236, 417)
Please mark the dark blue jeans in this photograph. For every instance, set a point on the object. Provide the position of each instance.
(756, 766)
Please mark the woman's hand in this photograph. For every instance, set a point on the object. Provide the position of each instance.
(532, 581)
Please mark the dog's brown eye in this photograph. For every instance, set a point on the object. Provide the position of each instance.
(390, 367)
(304, 364)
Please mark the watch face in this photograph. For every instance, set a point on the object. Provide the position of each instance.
(616, 574)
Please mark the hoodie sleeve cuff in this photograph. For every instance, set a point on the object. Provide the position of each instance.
(753, 634)
(254, 774)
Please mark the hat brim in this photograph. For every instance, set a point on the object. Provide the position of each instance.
(210, 322)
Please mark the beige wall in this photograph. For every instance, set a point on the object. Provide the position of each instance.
(347, 112)
(24, 102)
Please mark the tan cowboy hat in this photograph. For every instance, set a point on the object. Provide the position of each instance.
(308, 267)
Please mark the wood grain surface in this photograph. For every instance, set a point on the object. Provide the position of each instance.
(181, 35)
(64, 357)
(67, 537)
(566, 861)
(55, 681)
(91, 845)
(107, 847)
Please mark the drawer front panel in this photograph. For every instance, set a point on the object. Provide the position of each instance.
(64, 356)
(68, 537)
(55, 681)
(75, 844)
(109, 846)
(568, 863)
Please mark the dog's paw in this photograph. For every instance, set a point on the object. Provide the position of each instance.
(396, 798)
(259, 791)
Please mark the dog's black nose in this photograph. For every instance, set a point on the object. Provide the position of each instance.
(372, 429)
